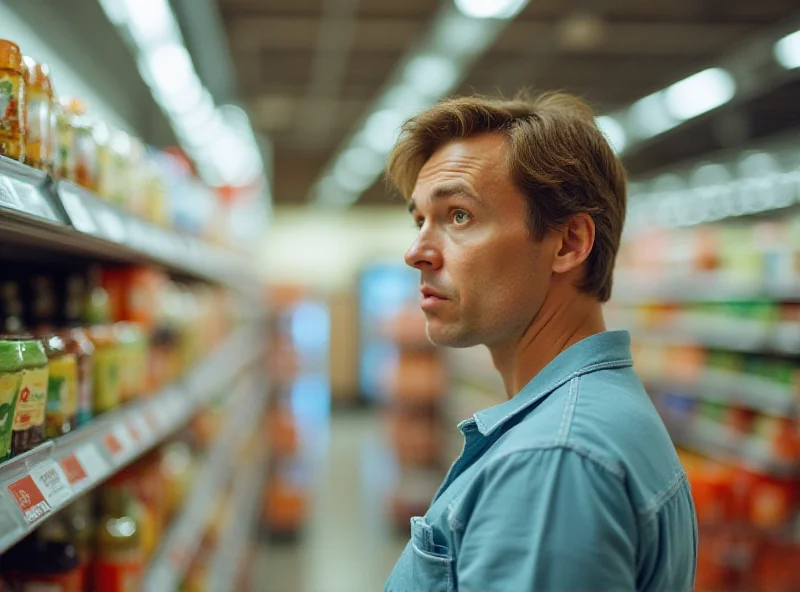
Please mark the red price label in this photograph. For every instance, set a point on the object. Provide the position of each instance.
(136, 437)
(113, 445)
(29, 498)
(73, 469)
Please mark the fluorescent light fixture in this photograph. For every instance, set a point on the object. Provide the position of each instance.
(613, 131)
(402, 96)
(433, 76)
(171, 69)
(483, 9)
(649, 116)
(361, 161)
(460, 35)
(329, 192)
(151, 22)
(382, 128)
(787, 51)
(699, 93)
(115, 11)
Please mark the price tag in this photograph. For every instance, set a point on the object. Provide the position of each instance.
(52, 483)
(8, 197)
(124, 436)
(77, 211)
(113, 445)
(143, 428)
(152, 420)
(33, 201)
(92, 462)
(74, 471)
(136, 437)
(29, 499)
(112, 225)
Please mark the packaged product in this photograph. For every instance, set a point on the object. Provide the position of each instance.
(13, 94)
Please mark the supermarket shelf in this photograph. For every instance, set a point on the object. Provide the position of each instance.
(63, 217)
(735, 388)
(237, 534)
(715, 441)
(37, 484)
(175, 554)
(700, 287)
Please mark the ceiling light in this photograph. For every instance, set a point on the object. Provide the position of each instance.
(482, 9)
(171, 69)
(382, 128)
(151, 22)
(361, 161)
(649, 116)
(613, 131)
(432, 75)
(699, 93)
(459, 35)
(787, 51)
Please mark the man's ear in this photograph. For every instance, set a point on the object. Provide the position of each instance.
(577, 240)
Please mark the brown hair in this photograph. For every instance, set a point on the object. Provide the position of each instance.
(557, 157)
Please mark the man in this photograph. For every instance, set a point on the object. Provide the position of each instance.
(573, 483)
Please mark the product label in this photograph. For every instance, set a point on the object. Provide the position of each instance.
(38, 117)
(9, 102)
(111, 576)
(32, 399)
(62, 386)
(106, 380)
(29, 499)
(9, 387)
(85, 386)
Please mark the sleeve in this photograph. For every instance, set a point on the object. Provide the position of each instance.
(547, 520)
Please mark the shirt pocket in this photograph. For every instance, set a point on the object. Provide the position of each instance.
(424, 565)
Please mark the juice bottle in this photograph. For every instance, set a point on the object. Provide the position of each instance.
(106, 348)
(72, 295)
(84, 145)
(29, 413)
(120, 559)
(39, 144)
(62, 384)
(10, 381)
(77, 518)
(133, 360)
(12, 101)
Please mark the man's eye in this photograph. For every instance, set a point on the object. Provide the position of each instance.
(418, 223)
(461, 217)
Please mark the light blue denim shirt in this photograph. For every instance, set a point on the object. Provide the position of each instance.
(572, 485)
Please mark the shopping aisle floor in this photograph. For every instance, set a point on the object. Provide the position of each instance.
(348, 544)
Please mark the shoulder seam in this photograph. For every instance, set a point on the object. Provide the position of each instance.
(651, 508)
(607, 465)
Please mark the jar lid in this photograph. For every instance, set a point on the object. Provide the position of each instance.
(33, 354)
(39, 73)
(10, 56)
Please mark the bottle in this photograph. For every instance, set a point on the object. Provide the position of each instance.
(62, 384)
(77, 518)
(72, 296)
(65, 167)
(12, 101)
(29, 411)
(106, 394)
(85, 146)
(40, 101)
(46, 561)
(120, 559)
(10, 382)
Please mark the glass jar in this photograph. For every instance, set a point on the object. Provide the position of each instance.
(13, 94)
(10, 381)
(85, 143)
(64, 143)
(39, 140)
(29, 413)
(120, 558)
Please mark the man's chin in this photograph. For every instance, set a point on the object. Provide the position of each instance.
(448, 336)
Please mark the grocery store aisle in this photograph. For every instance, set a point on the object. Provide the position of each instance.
(348, 544)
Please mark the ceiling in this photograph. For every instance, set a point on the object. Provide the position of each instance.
(308, 69)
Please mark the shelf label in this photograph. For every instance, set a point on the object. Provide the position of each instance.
(76, 474)
(142, 427)
(152, 420)
(52, 483)
(76, 210)
(92, 461)
(111, 224)
(33, 201)
(29, 499)
(112, 444)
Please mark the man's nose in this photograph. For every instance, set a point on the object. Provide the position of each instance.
(423, 254)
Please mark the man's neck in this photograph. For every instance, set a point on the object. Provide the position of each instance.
(561, 322)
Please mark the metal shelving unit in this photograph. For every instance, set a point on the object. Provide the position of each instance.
(34, 486)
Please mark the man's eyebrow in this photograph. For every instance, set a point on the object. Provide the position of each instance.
(447, 190)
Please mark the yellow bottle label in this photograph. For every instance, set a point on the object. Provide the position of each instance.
(62, 390)
(32, 399)
(106, 379)
(9, 387)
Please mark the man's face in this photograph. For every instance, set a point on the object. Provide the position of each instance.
(483, 278)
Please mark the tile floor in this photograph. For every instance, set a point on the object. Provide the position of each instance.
(348, 544)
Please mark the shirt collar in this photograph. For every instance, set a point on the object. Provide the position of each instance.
(610, 349)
